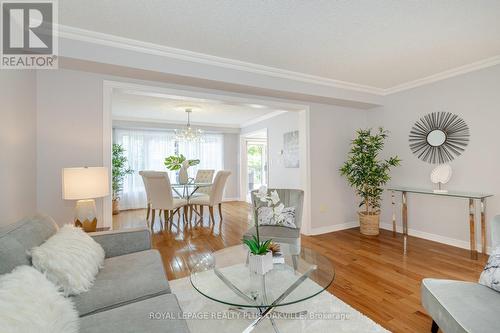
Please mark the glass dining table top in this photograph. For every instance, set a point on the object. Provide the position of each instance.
(192, 185)
(224, 276)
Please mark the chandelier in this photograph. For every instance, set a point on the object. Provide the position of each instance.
(189, 133)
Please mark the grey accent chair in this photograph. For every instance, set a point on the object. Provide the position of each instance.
(128, 290)
(287, 238)
(459, 306)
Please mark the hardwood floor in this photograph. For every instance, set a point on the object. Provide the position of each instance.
(372, 275)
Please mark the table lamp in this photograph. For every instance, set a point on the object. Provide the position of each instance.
(85, 184)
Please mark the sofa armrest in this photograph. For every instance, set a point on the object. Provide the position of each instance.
(120, 242)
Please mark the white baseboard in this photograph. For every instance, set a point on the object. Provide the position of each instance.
(436, 238)
(412, 232)
(332, 228)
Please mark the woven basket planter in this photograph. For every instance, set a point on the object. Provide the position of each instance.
(369, 223)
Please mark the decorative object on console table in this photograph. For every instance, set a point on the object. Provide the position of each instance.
(367, 175)
(439, 137)
(441, 175)
(119, 171)
(181, 164)
(85, 184)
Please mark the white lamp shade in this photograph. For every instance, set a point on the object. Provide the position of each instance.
(85, 183)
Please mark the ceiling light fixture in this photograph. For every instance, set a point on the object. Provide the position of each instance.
(189, 133)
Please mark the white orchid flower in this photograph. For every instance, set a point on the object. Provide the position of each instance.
(275, 198)
(262, 192)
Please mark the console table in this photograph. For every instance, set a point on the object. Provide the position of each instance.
(472, 196)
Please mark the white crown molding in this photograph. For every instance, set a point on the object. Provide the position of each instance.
(170, 52)
(201, 58)
(263, 117)
(445, 75)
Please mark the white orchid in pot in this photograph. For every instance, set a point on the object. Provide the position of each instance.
(260, 252)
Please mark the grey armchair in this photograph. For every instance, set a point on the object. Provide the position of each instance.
(287, 238)
(460, 306)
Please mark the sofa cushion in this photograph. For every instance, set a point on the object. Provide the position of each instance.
(30, 303)
(458, 306)
(70, 259)
(16, 239)
(124, 279)
(145, 316)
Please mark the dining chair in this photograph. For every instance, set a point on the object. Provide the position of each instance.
(281, 234)
(213, 198)
(161, 198)
(146, 189)
(204, 176)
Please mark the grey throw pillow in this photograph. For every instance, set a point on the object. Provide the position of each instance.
(285, 219)
(490, 277)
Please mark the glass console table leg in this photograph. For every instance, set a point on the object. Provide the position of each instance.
(472, 230)
(393, 215)
(483, 225)
(405, 220)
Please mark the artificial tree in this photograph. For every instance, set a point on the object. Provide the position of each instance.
(368, 174)
(120, 170)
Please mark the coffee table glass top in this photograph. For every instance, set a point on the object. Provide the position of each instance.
(224, 277)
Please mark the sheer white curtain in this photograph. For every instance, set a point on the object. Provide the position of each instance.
(147, 149)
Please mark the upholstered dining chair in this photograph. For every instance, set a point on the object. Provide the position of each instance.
(288, 238)
(204, 176)
(214, 198)
(161, 198)
(146, 189)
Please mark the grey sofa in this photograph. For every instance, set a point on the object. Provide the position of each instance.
(129, 292)
(459, 306)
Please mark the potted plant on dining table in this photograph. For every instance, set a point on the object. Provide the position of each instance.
(261, 252)
(181, 164)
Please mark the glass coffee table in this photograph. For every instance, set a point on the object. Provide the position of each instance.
(224, 277)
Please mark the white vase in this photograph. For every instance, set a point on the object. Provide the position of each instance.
(183, 175)
(260, 264)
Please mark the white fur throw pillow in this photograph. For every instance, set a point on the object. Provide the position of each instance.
(29, 303)
(70, 258)
(490, 277)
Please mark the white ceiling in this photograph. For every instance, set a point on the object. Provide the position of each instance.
(155, 107)
(381, 43)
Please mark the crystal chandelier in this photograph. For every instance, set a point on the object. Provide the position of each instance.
(189, 133)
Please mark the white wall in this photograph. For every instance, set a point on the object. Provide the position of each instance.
(232, 163)
(279, 176)
(333, 202)
(17, 145)
(476, 98)
(69, 134)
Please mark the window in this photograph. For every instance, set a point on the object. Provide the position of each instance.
(147, 149)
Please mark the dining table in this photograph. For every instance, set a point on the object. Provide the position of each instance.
(187, 191)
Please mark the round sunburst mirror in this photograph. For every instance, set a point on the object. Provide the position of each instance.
(439, 137)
